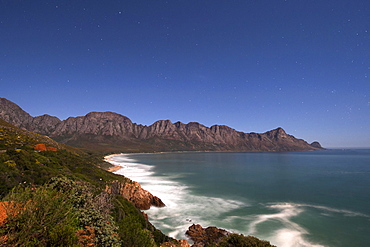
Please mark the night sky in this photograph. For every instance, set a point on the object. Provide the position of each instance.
(253, 65)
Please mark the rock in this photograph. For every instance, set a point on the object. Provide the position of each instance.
(132, 191)
(205, 236)
(316, 145)
(184, 243)
(213, 236)
(180, 243)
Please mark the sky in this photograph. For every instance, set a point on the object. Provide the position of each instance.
(253, 65)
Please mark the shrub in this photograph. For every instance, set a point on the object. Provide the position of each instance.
(92, 211)
(53, 215)
(133, 227)
(40, 216)
(240, 240)
(10, 163)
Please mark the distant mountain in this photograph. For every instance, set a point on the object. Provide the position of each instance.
(14, 137)
(63, 191)
(112, 132)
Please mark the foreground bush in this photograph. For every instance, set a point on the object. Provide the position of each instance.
(55, 215)
(40, 217)
(71, 213)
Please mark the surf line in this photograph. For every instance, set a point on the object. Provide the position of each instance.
(183, 208)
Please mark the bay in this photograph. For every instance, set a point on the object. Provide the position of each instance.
(317, 198)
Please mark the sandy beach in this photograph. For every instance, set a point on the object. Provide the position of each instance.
(114, 167)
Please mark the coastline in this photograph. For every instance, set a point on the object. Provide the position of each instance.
(172, 202)
(114, 167)
(182, 207)
(181, 216)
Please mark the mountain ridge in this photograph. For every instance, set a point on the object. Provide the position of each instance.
(112, 132)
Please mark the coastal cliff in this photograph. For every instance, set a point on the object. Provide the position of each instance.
(132, 191)
(112, 132)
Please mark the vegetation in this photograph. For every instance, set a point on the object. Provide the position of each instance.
(242, 241)
(58, 198)
(36, 168)
(13, 137)
(60, 212)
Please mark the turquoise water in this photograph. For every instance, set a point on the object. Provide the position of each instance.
(319, 198)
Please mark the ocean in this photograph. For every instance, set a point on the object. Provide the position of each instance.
(292, 199)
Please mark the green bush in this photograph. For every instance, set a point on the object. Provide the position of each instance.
(50, 215)
(92, 210)
(132, 234)
(37, 216)
(239, 240)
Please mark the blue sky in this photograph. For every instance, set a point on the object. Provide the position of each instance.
(252, 65)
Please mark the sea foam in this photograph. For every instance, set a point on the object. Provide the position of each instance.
(182, 207)
(272, 221)
(289, 233)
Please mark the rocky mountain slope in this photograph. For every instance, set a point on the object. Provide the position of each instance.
(14, 137)
(109, 131)
(64, 193)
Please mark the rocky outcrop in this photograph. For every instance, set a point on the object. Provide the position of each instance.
(213, 236)
(205, 236)
(113, 132)
(132, 191)
(316, 145)
(179, 243)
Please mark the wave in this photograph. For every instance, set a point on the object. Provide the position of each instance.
(276, 222)
(289, 233)
(335, 210)
(292, 234)
(182, 207)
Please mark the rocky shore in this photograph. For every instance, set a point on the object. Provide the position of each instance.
(204, 236)
(132, 191)
(199, 236)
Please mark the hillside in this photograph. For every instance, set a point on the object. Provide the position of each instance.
(112, 132)
(52, 186)
(16, 137)
(63, 198)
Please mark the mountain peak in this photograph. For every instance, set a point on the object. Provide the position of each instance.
(316, 144)
(108, 115)
(110, 131)
(278, 133)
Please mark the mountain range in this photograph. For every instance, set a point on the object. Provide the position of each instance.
(112, 132)
(62, 191)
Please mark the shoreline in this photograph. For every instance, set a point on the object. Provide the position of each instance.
(114, 167)
(269, 210)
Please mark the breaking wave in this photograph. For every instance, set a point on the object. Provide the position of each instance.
(275, 222)
(182, 207)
